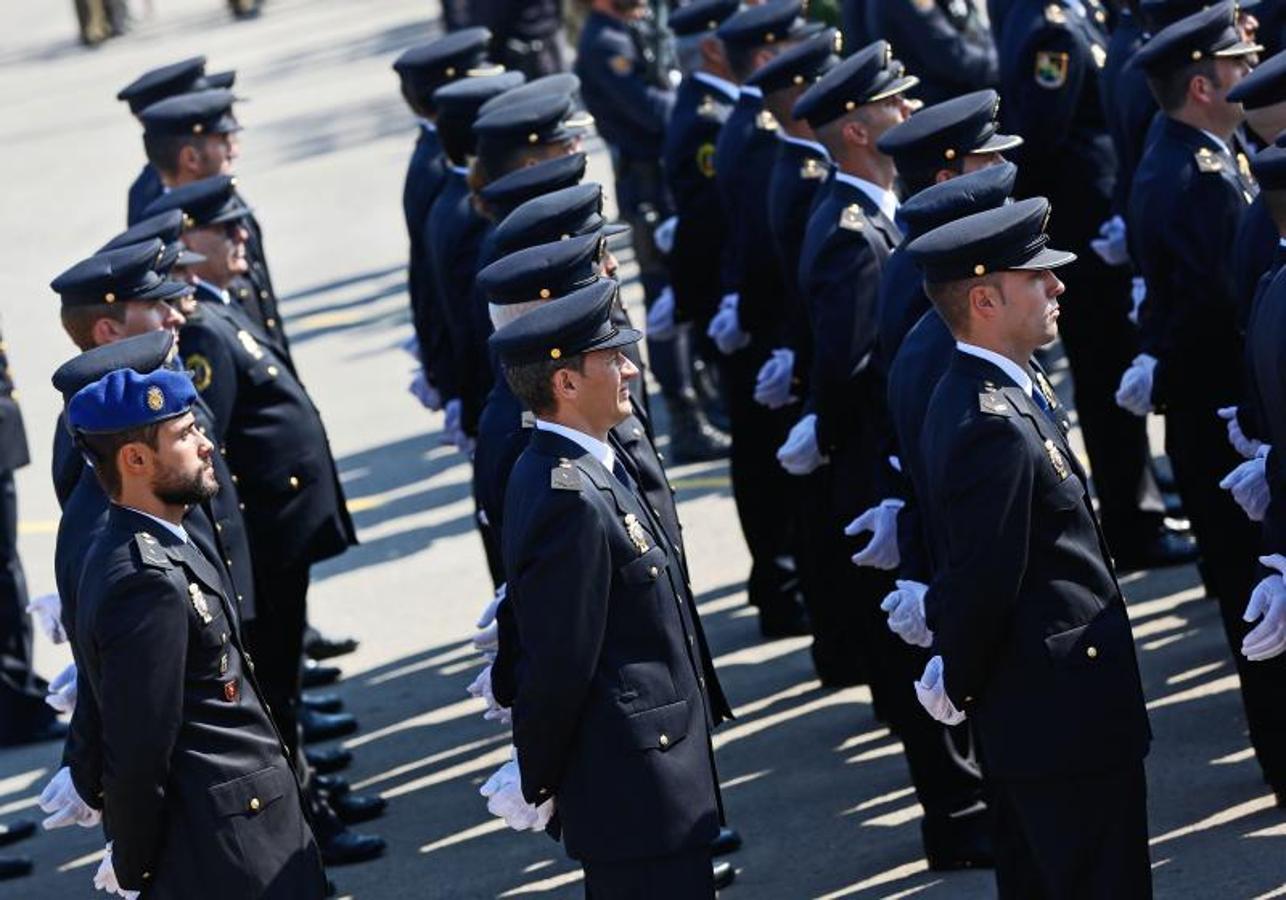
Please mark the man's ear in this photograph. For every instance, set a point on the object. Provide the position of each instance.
(984, 300)
(189, 159)
(565, 386)
(855, 133)
(106, 330)
(133, 459)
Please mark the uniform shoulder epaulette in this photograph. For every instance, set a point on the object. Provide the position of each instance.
(565, 476)
(1208, 160)
(1055, 14)
(708, 108)
(812, 170)
(850, 218)
(150, 552)
(765, 121)
(993, 401)
(528, 419)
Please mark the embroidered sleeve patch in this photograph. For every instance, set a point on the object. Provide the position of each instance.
(1051, 69)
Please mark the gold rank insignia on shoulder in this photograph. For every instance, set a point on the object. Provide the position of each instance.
(707, 108)
(199, 603)
(566, 477)
(812, 170)
(765, 121)
(250, 344)
(1208, 160)
(637, 535)
(850, 218)
(621, 65)
(150, 551)
(1055, 15)
(1056, 460)
(528, 419)
(1051, 69)
(1099, 54)
(993, 403)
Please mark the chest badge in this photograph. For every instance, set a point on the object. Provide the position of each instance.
(1056, 460)
(199, 604)
(1046, 390)
(230, 691)
(250, 344)
(636, 533)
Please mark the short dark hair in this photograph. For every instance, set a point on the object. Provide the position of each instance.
(741, 57)
(78, 321)
(163, 149)
(1171, 88)
(532, 382)
(951, 299)
(103, 448)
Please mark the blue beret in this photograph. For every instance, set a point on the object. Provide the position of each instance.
(577, 323)
(1009, 237)
(868, 75)
(161, 82)
(167, 226)
(544, 271)
(123, 399)
(209, 201)
(1209, 34)
(956, 198)
(941, 134)
(556, 216)
(1269, 167)
(560, 84)
(1264, 86)
(803, 63)
(509, 191)
(769, 23)
(142, 353)
(426, 67)
(117, 276)
(539, 120)
(701, 16)
(199, 112)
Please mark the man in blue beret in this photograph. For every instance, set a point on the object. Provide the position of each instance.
(1024, 614)
(185, 732)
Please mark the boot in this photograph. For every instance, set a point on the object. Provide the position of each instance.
(692, 438)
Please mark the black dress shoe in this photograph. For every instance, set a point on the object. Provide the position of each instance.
(347, 847)
(52, 730)
(327, 703)
(962, 840)
(354, 808)
(16, 831)
(326, 760)
(724, 875)
(317, 675)
(728, 841)
(1165, 548)
(13, 867)
(322, 647)
(332, 785)
(325, 726)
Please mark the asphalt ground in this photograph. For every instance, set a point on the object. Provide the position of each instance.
(816, 786)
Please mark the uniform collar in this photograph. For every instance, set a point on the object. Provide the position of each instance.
(177, 530)
(1219, 142)
(727, 88)
(806, 144)
(1017, 373)
(428, 126)
(886, 200)
(591, 445)
(747, 90)
(462, 171)
(214, 292)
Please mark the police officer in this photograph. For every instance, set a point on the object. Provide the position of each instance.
(631, 675)
(422, 70)
(527, 34)
(152, 86)
(948, 43)
(1188, 197)
(184, 725)
(1039, 655)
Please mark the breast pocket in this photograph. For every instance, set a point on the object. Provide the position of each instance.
(645, 571)
(1063, 494)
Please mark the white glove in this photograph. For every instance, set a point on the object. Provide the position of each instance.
(63, 803)
(1110, 244)
(882, 522)
(660, 318)
(481, 688)
(489, 611)
(933, 695)
(503, 791)
(772, 387)
(725, 327)
(1138, 293)
(412, 346)
(799, 455)
(105, 878)
(1268, 603)
(1135, 393)
(452, 432)
(62, 690)
(487, 640)
(1249, 486)
(1246, 446)
(47, 610)
(663, 235)
(429, 396)
(905, 607)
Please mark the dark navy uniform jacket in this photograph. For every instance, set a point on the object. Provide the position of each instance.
(615, 694)
(688, 157)
(1025, 609)
(1187, 199)
(797, 175)
(1128, 104)
(1250, 412)
(255, 292)
(14, 453)
(945, 42)
(425, 175)
(198, 795)
(1265, 340)
(1253, 249)
(620, 87)
(147, 187)
(277, 449)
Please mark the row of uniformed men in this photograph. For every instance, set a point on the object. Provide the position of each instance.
(100, 20)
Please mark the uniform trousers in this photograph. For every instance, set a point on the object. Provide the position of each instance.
(1197, 444)
(22, 692)
(1073, 838)
(680, 876)
(275, 640)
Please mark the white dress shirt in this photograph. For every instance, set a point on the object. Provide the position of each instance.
(886, 200)
(592, 445)
(177, 530)
(727, 88)
(1018, 373)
